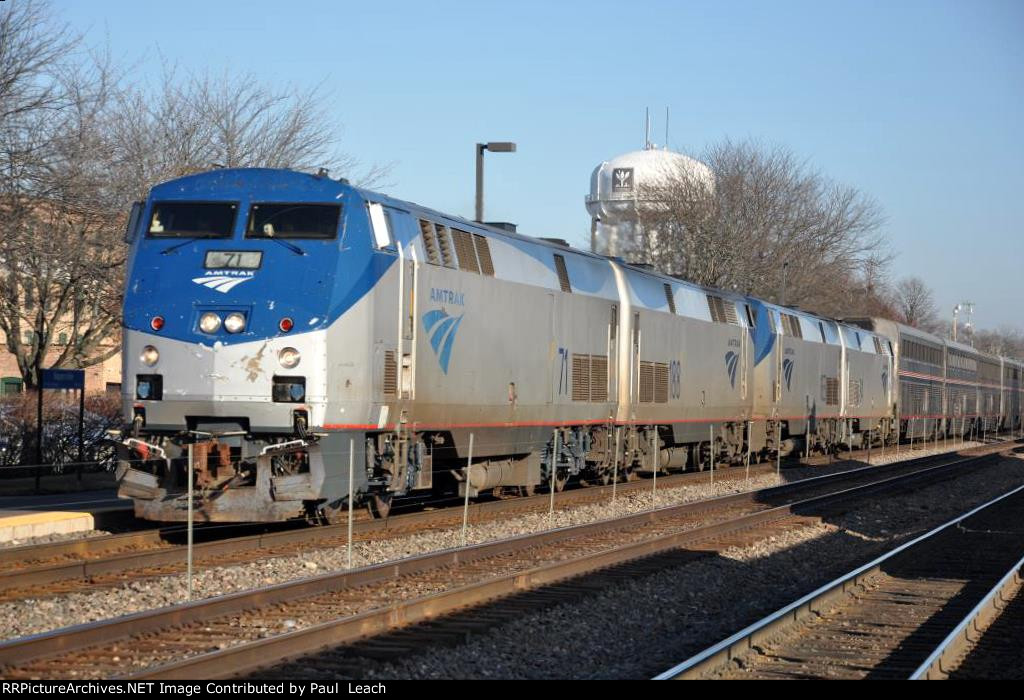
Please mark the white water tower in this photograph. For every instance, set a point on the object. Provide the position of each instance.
(621, 194)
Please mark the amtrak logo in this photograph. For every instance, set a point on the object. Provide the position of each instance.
(442, 329)
(220, 281)
(731, 359)
(787, 372)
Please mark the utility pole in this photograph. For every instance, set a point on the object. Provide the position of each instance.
(494, 147)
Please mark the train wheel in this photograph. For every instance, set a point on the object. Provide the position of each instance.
(559, 482)
(701, 454)
(527, 490)
(379, 504)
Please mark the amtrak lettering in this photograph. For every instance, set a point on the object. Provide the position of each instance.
(447, 296)
(223, 280)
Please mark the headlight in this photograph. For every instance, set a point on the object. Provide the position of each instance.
(209, 322)
(234, 323)
(289, 358)
(149, 355)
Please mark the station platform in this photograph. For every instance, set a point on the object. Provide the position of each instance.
(23, 517)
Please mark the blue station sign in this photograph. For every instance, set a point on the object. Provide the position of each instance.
(63, 379)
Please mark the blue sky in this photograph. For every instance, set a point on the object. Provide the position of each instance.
(918, 104)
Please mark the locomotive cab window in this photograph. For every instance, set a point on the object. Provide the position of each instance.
(192, 220)
(309, 221)
(380, 222)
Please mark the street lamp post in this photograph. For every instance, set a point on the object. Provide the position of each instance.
(494, 147)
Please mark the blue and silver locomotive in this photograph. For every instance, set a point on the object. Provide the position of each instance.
(291, 332)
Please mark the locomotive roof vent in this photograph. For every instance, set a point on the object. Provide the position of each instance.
(503, 225)
(557, 241)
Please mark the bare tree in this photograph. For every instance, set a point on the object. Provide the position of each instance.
(915, 303)
(59, 254)
(768, 218)
(1004, 341)
(186, 125)
(78, 144)
(31, 42)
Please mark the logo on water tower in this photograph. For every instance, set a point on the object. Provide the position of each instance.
(622, 180)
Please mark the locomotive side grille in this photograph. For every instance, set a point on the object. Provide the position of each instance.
(717, 309)
(660, 382)
(830, 390)
(730, 312)
(445, 244)
(669, 298)
(466, 251)
(390, 373)
(646, 382)
(598, 378)
(483, 253)
(722, 311)
(430, 242)
(563, 274)
(856, 392)
(581, 377)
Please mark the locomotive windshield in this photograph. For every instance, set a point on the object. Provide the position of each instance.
(192, 219)
(310, 221)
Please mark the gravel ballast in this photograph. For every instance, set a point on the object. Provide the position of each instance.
(653, 623)
(57, 537)
(32, 616)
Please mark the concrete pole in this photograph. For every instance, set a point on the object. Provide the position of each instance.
(654, 468)
(615, 465)
(778, 448)
(711, 444)
(351, 494)
(554, 468)
(188, 567)
(465, 506)
(750, 430)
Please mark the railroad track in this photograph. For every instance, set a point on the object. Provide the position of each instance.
(989, 642)
(899, 616)
(241, 632)
(59, 568)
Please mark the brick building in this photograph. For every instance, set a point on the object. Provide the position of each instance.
(105, 376)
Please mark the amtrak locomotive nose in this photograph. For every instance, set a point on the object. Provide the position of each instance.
(233, 281)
